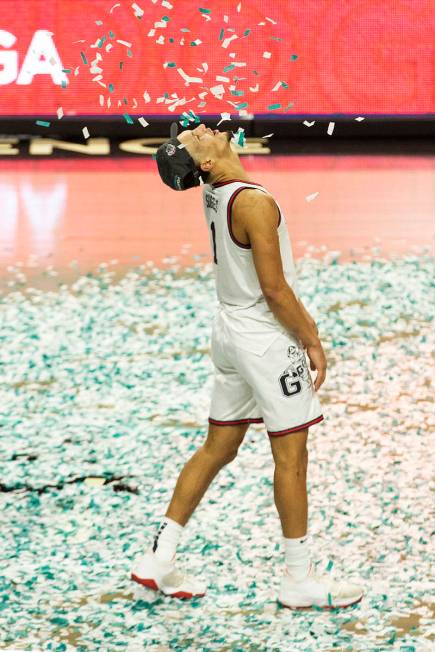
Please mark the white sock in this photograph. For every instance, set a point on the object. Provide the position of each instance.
(167, 538)
(297, 557)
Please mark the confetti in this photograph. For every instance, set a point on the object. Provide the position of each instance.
(273, 107)
(146, 97)
(60, 113)
(139, 12)
(101, 354)
(85, 132)
(331, 128)
(118, 4)
(308, 124)
(311, 197)
(267, 136)
(43, 123)
(85, 61)
(267, 55)
(143, 122)
(188, 79)
(128, 118)
(224, 117)
(126, 43)
(359, 119)
(228, 40)
(293, 57)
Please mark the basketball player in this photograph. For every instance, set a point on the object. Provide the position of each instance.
(260, 334)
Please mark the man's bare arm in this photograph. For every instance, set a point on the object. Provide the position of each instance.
(259, 216)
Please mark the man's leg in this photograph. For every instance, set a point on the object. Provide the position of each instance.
(220, 448)
(290, 482)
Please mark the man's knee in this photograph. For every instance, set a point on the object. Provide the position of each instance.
(220, 456)
(291, 453)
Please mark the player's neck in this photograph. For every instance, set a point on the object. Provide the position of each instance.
(232, 170)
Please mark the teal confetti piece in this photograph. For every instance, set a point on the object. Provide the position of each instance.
(246, 32)
(84, 58)
(166, 19)
(43, 123)
(205, 11)
(125, 100)
(243, 105)
(171, 64)
(121, 63)
(193, 44)
(63, 84)
(330, 565)
(284, 85)
(111, 34)
(230, 67)
(171, 40)
(221, 35)
(127, 118)
(184, 29)
(274, 107)
(66, 70)
(111, 88)
(241, 139)
(293, 57)
(129, 53)
(101, 41)
(238, 93)
(329, 600)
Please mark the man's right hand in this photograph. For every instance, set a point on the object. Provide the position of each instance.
(317, 358)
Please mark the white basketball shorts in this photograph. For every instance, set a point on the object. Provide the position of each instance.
(275, 388)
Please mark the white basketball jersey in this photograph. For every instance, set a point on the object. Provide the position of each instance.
(242, 305)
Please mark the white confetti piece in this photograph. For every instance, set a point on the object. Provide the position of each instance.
(308, 124)
(254, 89)
(138, 10)
(271, 21)
(331, 128)
(267, 136)
(109, 46)
(60, 113)
(101, 100)
(228, 40)
(146, 97)
(267, 55)
(85, 132)
(217, 90)
(167, 4)
(311, 197)
(188, 79)
(224, 117)
(239, 6)
(143, 122)
(135, 104)
(225, 19)
(277, 85)
(126, 43)
(359, 119)
(109, 102)
(222, 78)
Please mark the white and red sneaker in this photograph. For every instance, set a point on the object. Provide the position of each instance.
(317, 591)
(153, 573)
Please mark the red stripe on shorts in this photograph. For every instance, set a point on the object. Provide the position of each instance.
(277, 433)
(233, 423)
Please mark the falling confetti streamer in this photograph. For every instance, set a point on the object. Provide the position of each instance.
(331, 128)
(85, 132)
(311, 197)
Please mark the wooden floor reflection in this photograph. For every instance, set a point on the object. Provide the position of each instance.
(93, 211)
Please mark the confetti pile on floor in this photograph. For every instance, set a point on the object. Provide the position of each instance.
(105, 392)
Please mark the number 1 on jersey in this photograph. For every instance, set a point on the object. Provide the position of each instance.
(213, 232)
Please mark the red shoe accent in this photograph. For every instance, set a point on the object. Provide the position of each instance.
(150, 584)
(186, 596)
